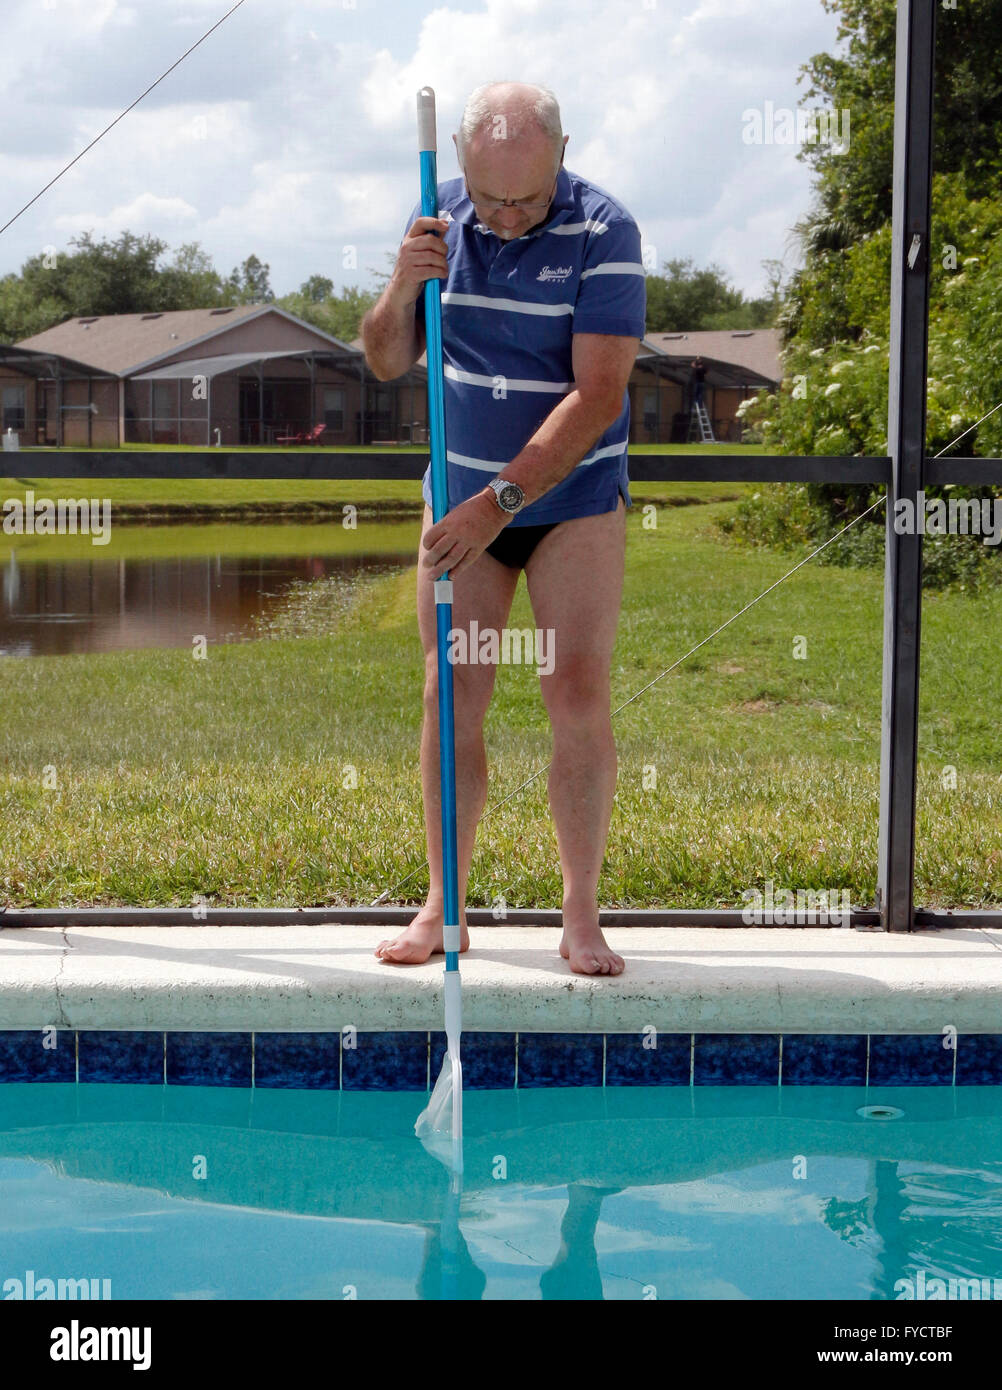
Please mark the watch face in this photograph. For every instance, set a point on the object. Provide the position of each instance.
(510, 496)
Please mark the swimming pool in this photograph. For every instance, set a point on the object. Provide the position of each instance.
(616, 1193)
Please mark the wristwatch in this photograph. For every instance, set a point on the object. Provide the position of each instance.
(509, 495)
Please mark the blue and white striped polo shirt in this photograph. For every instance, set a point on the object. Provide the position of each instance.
(509, 313)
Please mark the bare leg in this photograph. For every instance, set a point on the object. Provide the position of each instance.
(483, 592)
(575, 578)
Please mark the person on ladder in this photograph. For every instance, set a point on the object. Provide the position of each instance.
(544, 308)
(696, 381)
(698, 414)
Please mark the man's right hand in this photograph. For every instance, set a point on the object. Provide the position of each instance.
(423, 256)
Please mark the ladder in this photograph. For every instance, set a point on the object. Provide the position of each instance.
(699, 417)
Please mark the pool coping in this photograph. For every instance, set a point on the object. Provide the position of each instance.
(678, 980)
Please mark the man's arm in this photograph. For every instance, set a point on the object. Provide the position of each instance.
(392, 331)
(602, 363)
(393, 337)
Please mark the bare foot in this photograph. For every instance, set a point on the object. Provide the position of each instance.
(585, 947)
(421, 939)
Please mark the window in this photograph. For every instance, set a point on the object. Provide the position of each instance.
(383, 399)
(164, 400)
(334, 408)
(14, 408)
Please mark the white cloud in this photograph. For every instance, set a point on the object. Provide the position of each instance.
(290, 132)
(147, 213)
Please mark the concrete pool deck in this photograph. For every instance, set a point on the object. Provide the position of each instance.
(679, 979)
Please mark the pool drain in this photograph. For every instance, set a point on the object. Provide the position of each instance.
(880, 1112)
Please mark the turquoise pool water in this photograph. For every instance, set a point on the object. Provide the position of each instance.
(710, 1193)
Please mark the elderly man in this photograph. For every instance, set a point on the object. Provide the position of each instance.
(543, 310)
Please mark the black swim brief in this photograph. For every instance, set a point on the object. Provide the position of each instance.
(515, 544)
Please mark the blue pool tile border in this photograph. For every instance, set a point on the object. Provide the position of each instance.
(409, 1060)
(135, 1058)
(560, 1059)
(39, 1054)
(636, 1061)
(980, 1061)
(488, 1062)
(910, 1061)
(819, 1059)
(298, 1061)
(384, 1062)
(209, 1059)
(736, 1059)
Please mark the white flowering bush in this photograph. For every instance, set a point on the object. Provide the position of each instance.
(833, 396)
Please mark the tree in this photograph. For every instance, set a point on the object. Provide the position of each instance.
(98, 277)
(684, 299)
(348, 311)
(191, 281)
(106, 277)
(27, 308)
(317, 288)
(127, 276)
(853, 192)
(340, 316)
(250, 283)
(835, 316)
(968, 127)
(112, 277)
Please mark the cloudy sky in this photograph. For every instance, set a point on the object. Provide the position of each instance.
(290, 132)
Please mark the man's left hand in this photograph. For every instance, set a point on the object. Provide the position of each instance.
(462, 535)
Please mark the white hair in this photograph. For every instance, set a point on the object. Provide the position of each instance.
(481, 110)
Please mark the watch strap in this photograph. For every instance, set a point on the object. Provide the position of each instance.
(498, 485)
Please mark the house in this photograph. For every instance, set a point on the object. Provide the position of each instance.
(248, 374)
(739, 363)
(256, 374)
(40, 391)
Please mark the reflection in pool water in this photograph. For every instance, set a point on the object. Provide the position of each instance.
(579, 1193)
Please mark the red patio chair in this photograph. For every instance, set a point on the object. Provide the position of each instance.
(302, 436)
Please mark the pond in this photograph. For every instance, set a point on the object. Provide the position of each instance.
(158, 585)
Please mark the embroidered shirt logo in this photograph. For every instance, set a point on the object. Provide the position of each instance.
(559, 272)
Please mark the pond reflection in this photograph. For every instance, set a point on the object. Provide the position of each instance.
(52, 606)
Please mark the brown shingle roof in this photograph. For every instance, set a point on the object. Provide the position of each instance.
(120, 342)
(757, 348)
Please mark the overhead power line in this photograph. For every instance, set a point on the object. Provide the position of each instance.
(124, 113)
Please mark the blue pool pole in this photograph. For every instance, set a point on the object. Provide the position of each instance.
(428, 147)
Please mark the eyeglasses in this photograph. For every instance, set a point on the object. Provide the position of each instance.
(493, 205)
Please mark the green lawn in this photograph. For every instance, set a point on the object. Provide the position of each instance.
(308, 515)
(169, 496)
(232, 778)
